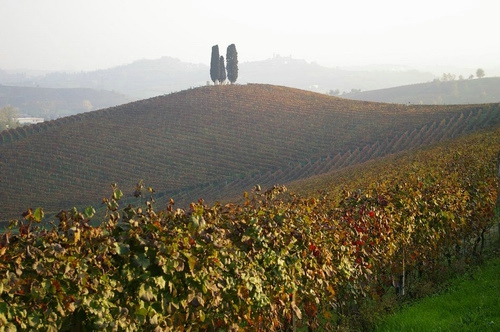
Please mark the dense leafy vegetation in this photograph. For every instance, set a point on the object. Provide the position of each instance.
(275, 261)
(212, 141)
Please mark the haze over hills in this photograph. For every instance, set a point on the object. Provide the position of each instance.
(311, 76)
(465, 91)
(212, 142)
(148, 78)
(52, 103)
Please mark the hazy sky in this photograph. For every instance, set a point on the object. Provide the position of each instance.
(95, 34)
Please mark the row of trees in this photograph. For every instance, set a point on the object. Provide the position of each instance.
(451, 77)
(218, 67)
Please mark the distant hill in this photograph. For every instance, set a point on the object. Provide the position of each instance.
(148, 78)
(314, 77)
(471, 91)
(138, 80)
(212, 142)
(51, 103)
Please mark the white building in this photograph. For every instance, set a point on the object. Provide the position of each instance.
(27, 121)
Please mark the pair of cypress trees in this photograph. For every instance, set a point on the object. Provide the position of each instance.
(217, 67)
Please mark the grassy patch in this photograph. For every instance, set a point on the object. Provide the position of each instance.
(471, 303)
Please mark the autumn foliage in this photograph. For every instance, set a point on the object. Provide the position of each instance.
(274, 261)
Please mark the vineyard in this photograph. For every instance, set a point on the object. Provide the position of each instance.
(212, 142)
(426, 135)
(484, 90)
(281, 260)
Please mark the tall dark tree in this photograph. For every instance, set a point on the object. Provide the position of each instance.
(222, 70)
(232, 63)
(214, 64)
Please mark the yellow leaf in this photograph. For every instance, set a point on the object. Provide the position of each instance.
(331, 290)
(192, 263)
(296, 310)
(202, 316)
(73, 235)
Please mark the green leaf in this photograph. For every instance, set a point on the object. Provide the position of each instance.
(122, 248)
(142, 260)
(9, 328)
(38, 267)
(146, 293)
(117, 194)
(38, 215)
(52, 328)
(160, 282)
(89, 212)
(33, 321)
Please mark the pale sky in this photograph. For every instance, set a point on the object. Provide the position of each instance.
(82, 35)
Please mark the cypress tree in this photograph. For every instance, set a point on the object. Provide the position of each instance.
(232, 63)
(214, 64)
(222, 70)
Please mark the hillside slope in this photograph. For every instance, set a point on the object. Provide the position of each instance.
(484, 90)
(211, 142)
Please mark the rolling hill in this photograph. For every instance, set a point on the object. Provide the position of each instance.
(52, 103)
(212, 142)
(484, 90)
(148, 78)
(314, 77)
